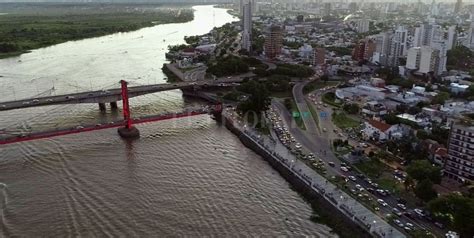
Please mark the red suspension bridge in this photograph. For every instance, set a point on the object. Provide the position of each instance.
(125, 126)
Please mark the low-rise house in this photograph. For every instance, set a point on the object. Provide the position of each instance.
(458, 88)
(374, 108)
(381, 131)
(437, 153)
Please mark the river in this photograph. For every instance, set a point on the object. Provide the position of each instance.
(187, 177)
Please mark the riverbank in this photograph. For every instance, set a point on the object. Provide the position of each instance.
(326, 211)
(22, 30)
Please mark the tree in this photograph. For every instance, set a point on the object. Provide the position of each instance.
(325, 78)
(287, 104)
(351, 108)
(422, 169)
(408, 183)
(440, 98)
(458, 209)
(424, 190)
(259, 99)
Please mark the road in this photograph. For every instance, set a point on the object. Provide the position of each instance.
(305, 113)
(316, 143)
(334, 195)
(114, 95)
(196, 74)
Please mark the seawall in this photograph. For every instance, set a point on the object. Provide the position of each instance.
(341, 223)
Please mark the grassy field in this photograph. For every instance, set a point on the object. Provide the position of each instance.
(23, 30)
(329, 98)
(341, 120)
(313, 112)
(298, 120)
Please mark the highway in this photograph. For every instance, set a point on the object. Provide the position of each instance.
(305, 113)
(319, 144)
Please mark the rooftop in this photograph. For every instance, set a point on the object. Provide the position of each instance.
(379, 125)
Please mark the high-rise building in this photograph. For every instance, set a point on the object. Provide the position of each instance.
(426, 59)
(359, 50)
(469, 42)
(370, 47)
(362, 25)
(460, 162)
(319, 56)
(382, 47)
(413, 58)
(398, 46)
(273, 41)
(458, 6)
(247, 27)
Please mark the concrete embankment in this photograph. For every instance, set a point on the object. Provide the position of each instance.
(341, 223)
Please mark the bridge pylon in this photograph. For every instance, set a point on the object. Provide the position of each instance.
(128, 131)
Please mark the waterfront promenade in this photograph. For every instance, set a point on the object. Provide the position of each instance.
(358, 213)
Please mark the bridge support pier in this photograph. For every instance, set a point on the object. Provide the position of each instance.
(102, 107)
(128, 133)
(113, 105)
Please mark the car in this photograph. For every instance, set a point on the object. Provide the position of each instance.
(352, 178)
(397, 212)
(382, 192)
(440, 225)
(398, 222)
(382, 202)
(401, 201)
(3, 106)
(35, 101)
(49, 100)
(408, 224)
(331, 164)
(79, 127)
(344, 169)
(26, 103)
(324, 129)
(419, 212)
(402, 206)
(408, 229)
(70, 97)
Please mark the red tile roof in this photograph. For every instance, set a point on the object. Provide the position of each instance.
(441, 151)
(380, 125)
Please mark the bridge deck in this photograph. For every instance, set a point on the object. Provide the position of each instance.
(86, 128)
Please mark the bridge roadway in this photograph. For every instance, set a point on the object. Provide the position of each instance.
(114, 95)
(10, 139)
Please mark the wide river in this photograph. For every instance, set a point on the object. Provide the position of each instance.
(187, 177)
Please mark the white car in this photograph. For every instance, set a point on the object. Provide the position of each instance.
(382, 202)
(344, 169)
(352, 178)
(401, 206)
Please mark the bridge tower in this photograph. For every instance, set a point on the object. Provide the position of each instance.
(128, 131)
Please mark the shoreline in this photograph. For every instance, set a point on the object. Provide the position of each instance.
(139, 22)
(324, 212)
